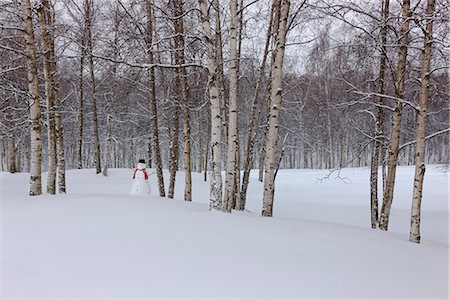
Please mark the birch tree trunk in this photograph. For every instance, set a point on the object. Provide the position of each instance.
(174, 145)
(60, 145)
(379, 131)
(216, 135)
(397, 118)
(276, 95)
(80, 120)
(89, 7)
(49, 82)
(111, 104)
(60, 156)
(179, 26)
(152, 102)
(414, 235)
(12, 150)
(237, 175)
(276, 6)
(253, 122)
(223, 91)
(34, 101)
(232, 124)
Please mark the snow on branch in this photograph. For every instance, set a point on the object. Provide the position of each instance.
(11, 70)
(426, 138)
(371, 94)
(145, 65)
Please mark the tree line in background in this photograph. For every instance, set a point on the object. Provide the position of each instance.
(211, 86)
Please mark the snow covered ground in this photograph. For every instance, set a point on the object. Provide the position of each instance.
(100, 242)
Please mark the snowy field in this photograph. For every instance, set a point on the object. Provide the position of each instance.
(100, 242)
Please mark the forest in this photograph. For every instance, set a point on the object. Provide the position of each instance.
(224, 87)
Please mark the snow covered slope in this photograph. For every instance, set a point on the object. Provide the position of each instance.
(100, 242)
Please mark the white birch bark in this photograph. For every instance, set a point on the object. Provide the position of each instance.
(232, 123)
(377, 147)
(152, 102)
(34, 102)
(276, 7)
(222, 90)
(216, 135)
(59, 134)
(179, 26)
(113, 100)
(60, 147)
(414, 235)
(49, 82)
(174, 144)
(274, 117)
(80, 117)
(12, 151)
(89, 8)
(397, 118)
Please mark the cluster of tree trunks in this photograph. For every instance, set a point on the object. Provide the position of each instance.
(222, 146)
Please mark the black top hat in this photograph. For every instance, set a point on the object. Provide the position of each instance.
(141, 161)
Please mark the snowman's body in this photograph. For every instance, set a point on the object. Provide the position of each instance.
(140, 181)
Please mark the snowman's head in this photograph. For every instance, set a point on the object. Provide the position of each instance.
(141, 166)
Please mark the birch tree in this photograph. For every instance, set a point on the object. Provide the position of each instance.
(49, 78)
(114, 92)
(397, 117)
(80, 116)
(419, 174)
(216, 135)
(253, 122)
(219, 61)
(174, 144)
(152, 101)
(89, 7)
(180, 60)
(276, 6)
(379, 130)
(59, 132)
(34, 101)
(275, 107)
(232, 124)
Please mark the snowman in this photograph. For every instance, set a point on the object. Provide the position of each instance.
(140, 180)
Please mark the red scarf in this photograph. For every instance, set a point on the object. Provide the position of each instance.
(143, 170)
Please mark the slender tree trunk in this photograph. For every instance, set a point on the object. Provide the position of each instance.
(34, 102)
(152, 101)
(174, 145)
(60, 146)
(237, 176)
(276, 6)
(111, 104)
(12, 149)
(205, 174)
(60, 156)
(379, 131)
(276, 95)
(110, 126)
(89, 8)
(49, 78)
(374, 183)
(80, 120)
(179, 26)
(414, 235)
(216, 135)
(11, 146)
(253, 122)
(223, 91)
(232, 124)
(397, 118)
